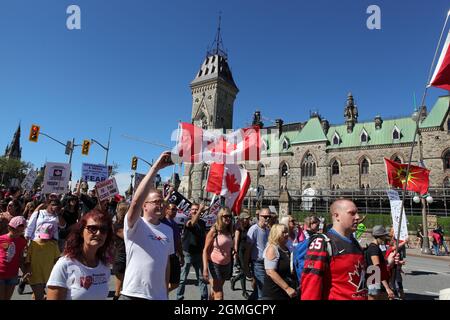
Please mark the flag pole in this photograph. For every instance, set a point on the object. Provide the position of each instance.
(416, 131)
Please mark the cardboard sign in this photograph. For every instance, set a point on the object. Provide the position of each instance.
(94, 172)
(56, 177)
(211, 216)
(395, 212)
(28, 182)
(106, 189)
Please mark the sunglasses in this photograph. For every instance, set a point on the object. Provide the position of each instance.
(265, 217)
(92, 229)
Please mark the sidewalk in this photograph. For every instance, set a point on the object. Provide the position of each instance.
(416, 252)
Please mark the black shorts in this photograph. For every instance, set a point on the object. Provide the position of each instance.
(220, 272)
(118, 268)
(175, 269)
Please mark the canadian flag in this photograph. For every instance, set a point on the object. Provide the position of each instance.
(229, 181)
(441, 76)
(196, 145)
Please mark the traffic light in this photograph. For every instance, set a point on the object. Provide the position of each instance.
(34, 133)
(134, 161)
(85, 147)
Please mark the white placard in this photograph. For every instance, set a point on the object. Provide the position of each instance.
(396, 205)
(106, 189)
(94, 172)
(56, 177)
(28, 182)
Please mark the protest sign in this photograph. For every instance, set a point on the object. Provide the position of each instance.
(106, 189)
(94, 172)
(28, 182)
(137, 180)
(396, 204)
(56, 177)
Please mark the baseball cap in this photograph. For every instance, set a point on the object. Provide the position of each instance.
(244, 215)
(379, 231)
(18, 221)
(46, 231)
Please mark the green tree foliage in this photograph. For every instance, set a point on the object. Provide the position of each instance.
(13, 169)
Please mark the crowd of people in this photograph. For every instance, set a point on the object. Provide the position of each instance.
(65, 246)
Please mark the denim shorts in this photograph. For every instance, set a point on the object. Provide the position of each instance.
(10, 282)
(376, 289)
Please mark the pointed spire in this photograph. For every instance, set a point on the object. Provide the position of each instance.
(217, 47)
(14, 150)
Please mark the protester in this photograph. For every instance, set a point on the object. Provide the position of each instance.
(148, 242)
(379, 290)
(119, 264)
(436, 242)
(50, 215)
(42, 255)
(395, 277)
(279, 283)
(70, 213)
(83, 273)
(29, 209)
(360, 229)
(290, 223)
(12, 246)
(217, 254)
(12, 210)
(442, 243)
(240, 243)
(257, 237)
(334, 267)
(310, 227)
(193, 241)
(419, 235)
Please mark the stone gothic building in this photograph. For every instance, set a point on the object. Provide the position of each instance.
(315, 154)
(14, 150)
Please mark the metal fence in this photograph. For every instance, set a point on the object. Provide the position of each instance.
(368, 201)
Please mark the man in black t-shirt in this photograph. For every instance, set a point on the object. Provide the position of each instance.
(193, 242)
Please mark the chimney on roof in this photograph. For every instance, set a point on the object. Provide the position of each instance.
(325, 125)
(279, 126)
(378, 122)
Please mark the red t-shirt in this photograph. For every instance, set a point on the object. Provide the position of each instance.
(11, 250)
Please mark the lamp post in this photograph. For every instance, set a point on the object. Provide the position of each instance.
(426, 198)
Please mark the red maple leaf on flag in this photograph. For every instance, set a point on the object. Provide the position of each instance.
(232, 184)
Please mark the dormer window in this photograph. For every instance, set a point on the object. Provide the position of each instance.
(207, 61)
(396, 133)
(213, 59)
(336, 139)
(364, 136)
(285, 144)
(206, 71)
(200, 73)
(213, 69)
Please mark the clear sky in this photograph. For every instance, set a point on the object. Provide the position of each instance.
(130, 65)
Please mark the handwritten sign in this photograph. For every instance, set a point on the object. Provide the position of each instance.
(28, 182)
(396, 205)
(106, 189)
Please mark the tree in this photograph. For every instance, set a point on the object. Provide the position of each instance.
(13, 169)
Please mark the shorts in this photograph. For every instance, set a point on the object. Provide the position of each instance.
(175, 269)
(376, 289)
(220, 272)
(10, 282)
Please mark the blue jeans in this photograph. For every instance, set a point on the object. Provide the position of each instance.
(194, 260)
(436, 249)
(259, 272)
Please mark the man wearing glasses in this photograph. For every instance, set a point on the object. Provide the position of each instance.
(148, 242)
(257, 237)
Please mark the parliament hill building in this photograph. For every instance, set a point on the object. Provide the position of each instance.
(314, 154)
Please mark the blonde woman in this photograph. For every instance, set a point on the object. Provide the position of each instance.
(279, 282)
(217, 253)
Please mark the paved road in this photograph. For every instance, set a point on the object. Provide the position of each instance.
(423, 279)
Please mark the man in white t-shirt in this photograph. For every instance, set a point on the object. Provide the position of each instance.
(148, 242)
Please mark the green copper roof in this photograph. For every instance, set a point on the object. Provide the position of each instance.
(437, 114)
(375, 137)
(312, 131)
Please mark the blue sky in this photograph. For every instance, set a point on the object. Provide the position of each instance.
(130, 66)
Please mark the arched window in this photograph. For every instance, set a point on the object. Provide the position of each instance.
(262, 170)
(397, 159)
(396, 134)
(284, 170)
(285, 144)
(446, 160)
(364, 137)
(364, 166)
(336, 139)
(335, 167)
(309, 166)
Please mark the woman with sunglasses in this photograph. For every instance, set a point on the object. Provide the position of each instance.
(217, 253)
(83, 272)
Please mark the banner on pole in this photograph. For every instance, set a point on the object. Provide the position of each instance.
(94, 172)
(28, 182)
(56, 177)
(396, 205)
(106, 189)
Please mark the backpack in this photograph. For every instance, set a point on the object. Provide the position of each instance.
(299, 254)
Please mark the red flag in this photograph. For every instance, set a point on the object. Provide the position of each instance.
(441, 76)
(195, 145)
(418, 178)
(230, 181)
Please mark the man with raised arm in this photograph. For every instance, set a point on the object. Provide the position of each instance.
(148, 242)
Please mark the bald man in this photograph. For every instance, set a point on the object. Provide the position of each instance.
(334, 263)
